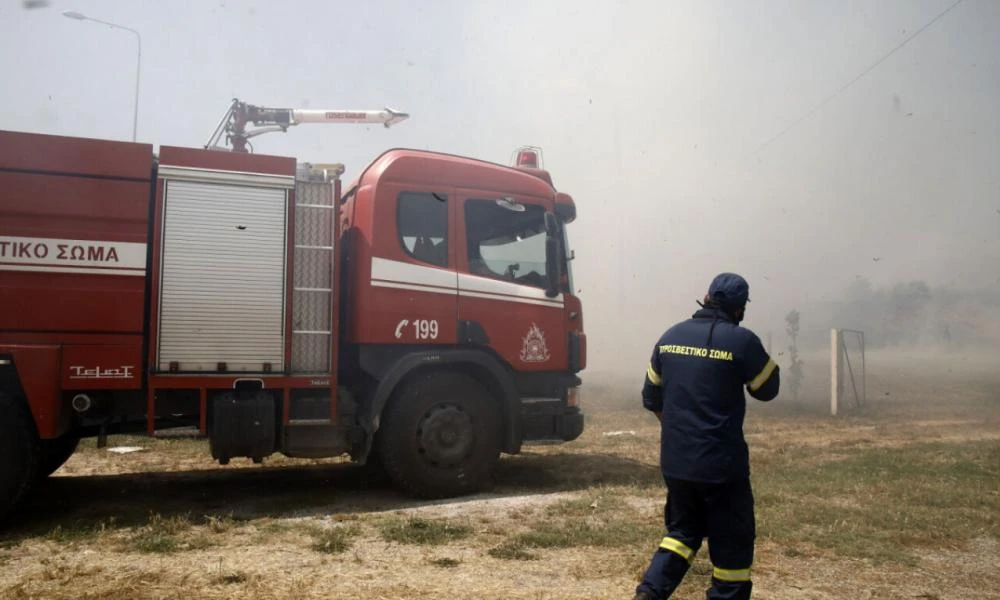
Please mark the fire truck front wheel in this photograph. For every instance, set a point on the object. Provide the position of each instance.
(440, 435)
(18, 452)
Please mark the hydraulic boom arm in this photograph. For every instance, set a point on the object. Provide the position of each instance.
(240, 114)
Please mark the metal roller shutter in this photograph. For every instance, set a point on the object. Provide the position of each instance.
(222, 284)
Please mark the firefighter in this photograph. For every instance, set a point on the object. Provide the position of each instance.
(694, 386)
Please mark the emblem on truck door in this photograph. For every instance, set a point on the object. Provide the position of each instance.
(534, 349)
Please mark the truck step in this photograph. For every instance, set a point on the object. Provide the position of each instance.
(309, 422)
(314, 438)
(178, 432)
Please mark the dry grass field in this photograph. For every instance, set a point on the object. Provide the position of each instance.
(898, 500)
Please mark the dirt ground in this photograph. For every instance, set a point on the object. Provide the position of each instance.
(248, 531)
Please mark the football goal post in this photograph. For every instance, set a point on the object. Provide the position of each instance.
(847, 370)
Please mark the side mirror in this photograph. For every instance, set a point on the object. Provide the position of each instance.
(553, 254)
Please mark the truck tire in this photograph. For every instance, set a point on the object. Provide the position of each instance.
(440, 435)
(54, 453)
(18, 452)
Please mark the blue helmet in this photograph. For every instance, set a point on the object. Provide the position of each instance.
(729, 290)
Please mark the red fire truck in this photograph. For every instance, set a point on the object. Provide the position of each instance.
(423, 316)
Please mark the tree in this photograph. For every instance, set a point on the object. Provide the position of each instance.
(795, 369)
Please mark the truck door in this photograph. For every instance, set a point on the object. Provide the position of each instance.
(502, 280)
(413, 293)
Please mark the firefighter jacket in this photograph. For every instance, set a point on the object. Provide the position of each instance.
(695, 379)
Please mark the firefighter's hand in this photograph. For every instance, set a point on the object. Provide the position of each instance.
(659, 416)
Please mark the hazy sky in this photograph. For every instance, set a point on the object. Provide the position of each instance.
(653, 115)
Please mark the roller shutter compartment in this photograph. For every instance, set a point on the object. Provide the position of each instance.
(222, 278)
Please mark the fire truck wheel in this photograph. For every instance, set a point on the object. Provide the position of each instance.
(54, 453)
(19, 452)
(440, 435)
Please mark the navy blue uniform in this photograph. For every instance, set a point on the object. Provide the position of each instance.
(695, 380)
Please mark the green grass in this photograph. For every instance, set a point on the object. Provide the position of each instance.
(611, 533)
(161, 535)
(416, 530)
(333, 540)
(854, 498)
(622, 532)
(605, 501)
(154, 543)
(883, 504)
(512, 550)
(79, 531)
(221, 524)
(582, 506)
(599, 518)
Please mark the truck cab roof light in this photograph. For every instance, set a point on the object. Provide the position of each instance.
(528, 156)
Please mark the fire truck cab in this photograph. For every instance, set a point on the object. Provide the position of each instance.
(424, 316)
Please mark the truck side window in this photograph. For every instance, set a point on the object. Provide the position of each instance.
(422, 219)
(506, 243)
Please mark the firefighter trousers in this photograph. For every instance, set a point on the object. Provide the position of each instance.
(722, 512)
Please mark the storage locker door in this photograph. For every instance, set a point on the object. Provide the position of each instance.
(222, 286)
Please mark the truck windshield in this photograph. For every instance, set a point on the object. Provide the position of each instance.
(505, 243)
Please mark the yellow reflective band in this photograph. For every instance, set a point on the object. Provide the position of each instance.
(697, 351)
(731, 574)
(654, 378)
(679, 548)
(762, 377)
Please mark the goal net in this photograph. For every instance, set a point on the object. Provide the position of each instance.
(847, 370)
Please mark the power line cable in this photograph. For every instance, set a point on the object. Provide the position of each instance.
(844, 87)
